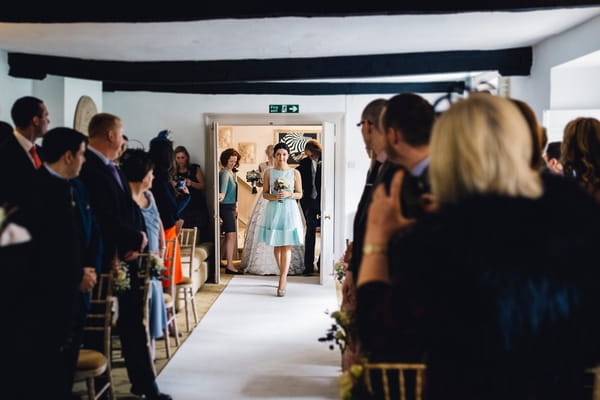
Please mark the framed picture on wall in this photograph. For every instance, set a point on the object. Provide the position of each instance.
(225, 137)
(296, 141)
(247, 152)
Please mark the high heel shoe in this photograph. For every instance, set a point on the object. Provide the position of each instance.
(280, 292)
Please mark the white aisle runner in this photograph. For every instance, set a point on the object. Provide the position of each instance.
(254, 345)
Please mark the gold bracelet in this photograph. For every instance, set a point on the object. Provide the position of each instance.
(369, 248)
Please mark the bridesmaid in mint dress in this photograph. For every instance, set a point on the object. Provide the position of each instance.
(282, 226)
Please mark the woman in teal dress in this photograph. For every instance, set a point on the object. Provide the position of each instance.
(282, 226)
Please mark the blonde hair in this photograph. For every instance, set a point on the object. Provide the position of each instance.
(482, 145)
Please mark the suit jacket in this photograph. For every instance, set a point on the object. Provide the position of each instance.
(119, 217)
(17, 172)
(305, 169)
(89, 231)
(55, 270)
(360, 219)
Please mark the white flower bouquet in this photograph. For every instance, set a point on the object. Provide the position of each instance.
(280, 184)
(122, 281)
(157, 267)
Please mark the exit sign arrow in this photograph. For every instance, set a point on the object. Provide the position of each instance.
(284, 108)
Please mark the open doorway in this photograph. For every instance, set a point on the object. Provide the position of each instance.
(251, 141)
(253, 150)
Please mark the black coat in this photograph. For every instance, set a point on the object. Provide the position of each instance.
(305, 169)
(119, 217)
(497, 295)
(17, 173)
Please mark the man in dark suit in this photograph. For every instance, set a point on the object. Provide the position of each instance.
(59, 273)
(19, 155)
(123, 237)
(30, 118)
(375, 143)
(407, 121)
(310, 172)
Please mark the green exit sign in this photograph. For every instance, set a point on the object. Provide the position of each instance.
(284, 108)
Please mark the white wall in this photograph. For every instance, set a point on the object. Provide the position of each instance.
(10, 89)
(538, 90)
(73, 90)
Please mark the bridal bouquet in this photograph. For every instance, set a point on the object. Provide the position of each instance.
(280, 184)
(253, 176)
(122, 280)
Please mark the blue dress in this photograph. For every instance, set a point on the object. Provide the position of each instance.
(281, 224)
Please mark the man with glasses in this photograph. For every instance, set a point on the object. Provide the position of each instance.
(374, 138)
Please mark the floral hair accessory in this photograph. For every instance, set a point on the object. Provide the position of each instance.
(165, 135)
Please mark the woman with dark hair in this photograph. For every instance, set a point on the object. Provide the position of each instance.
(196, 213)
(580, 154)
(137, 166)
(257, 257)
(169, 200)
(282, 225)
(230, 160)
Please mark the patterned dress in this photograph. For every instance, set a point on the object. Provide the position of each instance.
(282, 223)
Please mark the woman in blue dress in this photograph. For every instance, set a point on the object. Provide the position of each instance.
(282, 226)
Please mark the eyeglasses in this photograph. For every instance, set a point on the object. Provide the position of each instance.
(364, 121)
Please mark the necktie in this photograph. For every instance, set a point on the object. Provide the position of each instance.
(115, 173)
(314, 173)
(36, 159)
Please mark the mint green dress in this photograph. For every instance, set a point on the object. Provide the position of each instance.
(282, 223)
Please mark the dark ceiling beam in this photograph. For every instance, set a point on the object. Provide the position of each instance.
(516, 61)
(292, 88)
(192, 11)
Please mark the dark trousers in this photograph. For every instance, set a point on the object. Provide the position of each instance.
(136, 350)
(311, 211)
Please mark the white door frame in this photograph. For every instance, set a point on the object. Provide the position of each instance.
(213, 120)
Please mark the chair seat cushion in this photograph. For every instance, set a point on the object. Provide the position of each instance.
(186, 281)
(90, 360)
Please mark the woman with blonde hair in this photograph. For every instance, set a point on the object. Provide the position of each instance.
(492, 291)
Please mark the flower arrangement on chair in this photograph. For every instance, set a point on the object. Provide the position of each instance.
(343, 332)
(157, 267)
(122, 279)
(253, 176)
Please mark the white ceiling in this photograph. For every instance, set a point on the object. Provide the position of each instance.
(290, 37)
(298, 37)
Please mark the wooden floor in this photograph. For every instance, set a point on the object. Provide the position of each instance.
(205, 297)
